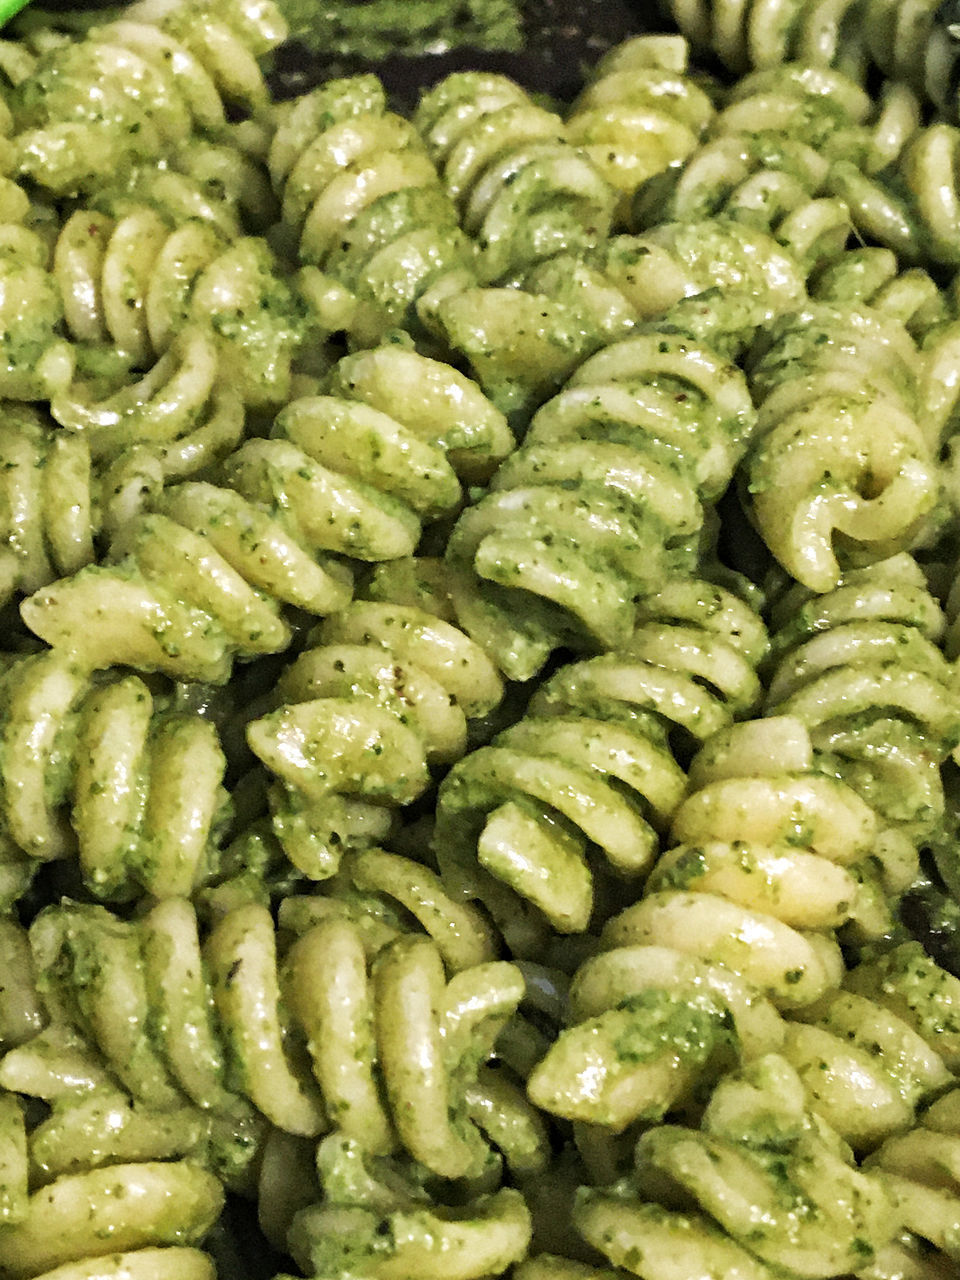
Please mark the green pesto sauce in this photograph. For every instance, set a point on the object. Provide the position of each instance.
(378, 28)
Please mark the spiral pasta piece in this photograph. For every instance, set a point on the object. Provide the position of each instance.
(599, 504)
(136, 1220)
(363, 203)
(866, 1067)
(762, 1188)
(524, 192)
(779, 177)
(591, 762)
(842, 464)
(385, 695)
(912, 205)
(919, 1166)
(385, 895)
(401, 1234)
(40, 540)
(913, 43)
(182, 410)
(751, 33)
(36, 362)
(105, 773)
(647, 1025)
(136, 88)
(920, 1170)
(677, 260)
(640, 114)
(203, 577)
(771, 857)
(135, 281)
(62, 1221)
(522, 344)
(66, 494)
(871, 276)
(389, 1051)
(860, 667)
(908, 42)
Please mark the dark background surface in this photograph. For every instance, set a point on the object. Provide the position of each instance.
(562, 38)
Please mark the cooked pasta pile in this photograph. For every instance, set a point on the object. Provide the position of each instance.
(479, 704)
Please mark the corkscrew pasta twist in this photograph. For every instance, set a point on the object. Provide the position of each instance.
(771, 856)
(913, 43)
(745, 34)
(36, 362)
(401, 1233)
(134, 281)
(843, 462)
(920, 1169)
(178, 419)
(524, 192)
(523, 344)
(55, 503)
(871, 276)
(907, 42)
(204, 576)
(762, 1187)
(364, 209)
(139, 1221)
(602, 500)
(779, 176)
(677, 260)
(137, 87)
(867, 1058)
(860, 666)
(641, 113)
(104, 772)
(386, 694)
(391, 1056)
(591, 761)
(911, 206)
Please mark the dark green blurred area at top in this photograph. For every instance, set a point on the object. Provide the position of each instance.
(380, 28)
(546, 45)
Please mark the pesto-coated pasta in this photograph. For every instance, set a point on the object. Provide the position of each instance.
(156, 81)
(477, 691)
(386, 694)
(135, 281)
(384, 1217)
(771, 1185)
(522, 343)
(871, 276)
(217, 560)
(602, 500)
(910, 206)
(766, 862)
(121, 1210)
(524, 192)
(362, 201)
(920, 1170)
(592, 762)
(182, 411)
(911, 42)
(36, 362)
(860, 667)
(778, 176)
(307, 1035)
(640, 113)
(843, 460)
(105, 773)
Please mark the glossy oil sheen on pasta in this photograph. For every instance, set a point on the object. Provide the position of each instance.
(479, 706)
